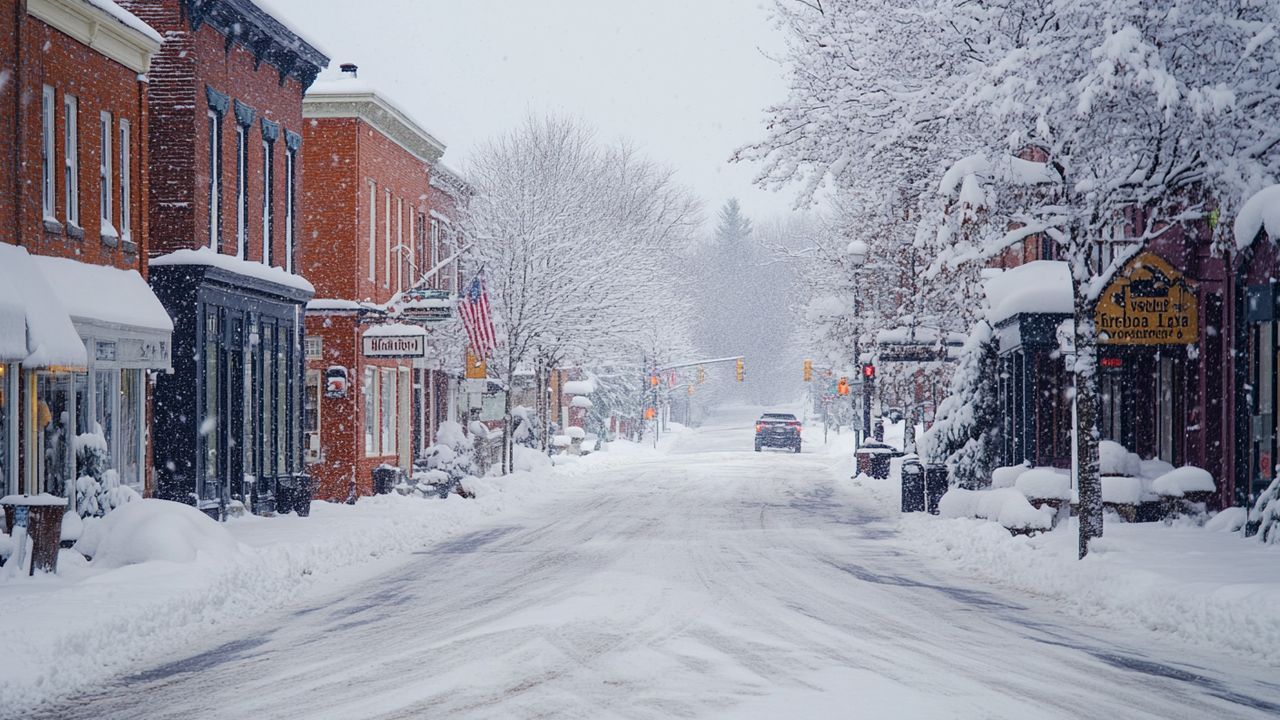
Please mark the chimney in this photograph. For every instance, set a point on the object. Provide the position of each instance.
(348, 69)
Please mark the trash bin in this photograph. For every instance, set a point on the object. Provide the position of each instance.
(935, 485)
(285, 493)
(41, 516)
(913, 486)
(384, 479)
(303, 490)
(873, 459)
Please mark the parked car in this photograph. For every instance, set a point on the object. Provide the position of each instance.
(779, 430)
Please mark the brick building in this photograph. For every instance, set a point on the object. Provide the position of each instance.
(380, 203)
(225, 104)
(79, 326)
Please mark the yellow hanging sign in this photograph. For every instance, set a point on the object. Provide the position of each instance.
(1149, 303)
(476, 368)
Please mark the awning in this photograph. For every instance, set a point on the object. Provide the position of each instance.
(35, 328)
(116, 308)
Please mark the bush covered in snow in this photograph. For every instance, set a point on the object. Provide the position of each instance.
(448, 465)
(1264, 518)
(1005, 506)
(964, 435)
(98, 488)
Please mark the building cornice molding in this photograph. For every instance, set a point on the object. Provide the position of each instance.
(265, 36)
(98, 29)
(384, 117)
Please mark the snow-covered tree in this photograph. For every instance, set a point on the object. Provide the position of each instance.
(574, 238)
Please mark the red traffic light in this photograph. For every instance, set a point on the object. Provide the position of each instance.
(868, 371)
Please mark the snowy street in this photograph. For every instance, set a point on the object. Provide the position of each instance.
(705, 581)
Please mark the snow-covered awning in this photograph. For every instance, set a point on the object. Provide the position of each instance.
(1041, 286)
(114, 306)
(35, 328)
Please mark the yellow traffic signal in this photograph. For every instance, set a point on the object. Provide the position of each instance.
(808, 370)
(649, 413)
(702, 374)
(740, 369)
(653, 380)
(842, 387)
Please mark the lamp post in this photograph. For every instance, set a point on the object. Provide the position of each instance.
(858, 251)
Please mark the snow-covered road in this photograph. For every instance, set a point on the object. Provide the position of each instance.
(707, 582)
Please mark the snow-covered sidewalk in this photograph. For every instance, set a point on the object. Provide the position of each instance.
(63, 633)
(1209, 588)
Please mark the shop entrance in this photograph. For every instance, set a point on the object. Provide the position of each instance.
(1260, 400)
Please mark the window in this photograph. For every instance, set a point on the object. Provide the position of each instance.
(311, 416)
(130, 423)
(105, 206)
(54, 428)
(126, 181)
(242, 193)
(386, 241)
(215, 180)
(370, 411)
(71, 159)
(290, 206)
(436, 255)
(209, 421)
(47, 153)
(284, 418)
(373, 230)
(268, 196)
(400, 254)
(8, 443)
(314, 348)
(389, 411)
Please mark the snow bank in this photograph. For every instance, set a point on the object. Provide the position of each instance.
(157, 530)
(1006, 506)
(1045, 483)
(1183, 480)
(1229, 520)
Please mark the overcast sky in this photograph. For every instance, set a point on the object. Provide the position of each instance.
(685, 80)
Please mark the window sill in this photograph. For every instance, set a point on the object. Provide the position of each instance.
(75, 232)
(109, 240)
(129, 246)
(52, 227)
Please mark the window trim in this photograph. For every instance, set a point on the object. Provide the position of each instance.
(48, 152)
(400, 244)
(126, 179)
(268, 199)
(371, 418)
(386, 240)
(106, 203)
(390, 412)
(242, 192)
(373, 231)
(71, 158)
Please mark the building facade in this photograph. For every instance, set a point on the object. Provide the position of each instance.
(225, 103)
(376, 382)
(79, 327)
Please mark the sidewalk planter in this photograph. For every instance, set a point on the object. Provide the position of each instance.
(42, 517)
(384, 479)
(873, 459)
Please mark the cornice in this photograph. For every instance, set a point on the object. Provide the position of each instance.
(371, 108)
(98, 29)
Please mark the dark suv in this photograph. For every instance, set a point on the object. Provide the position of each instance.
(780, 430)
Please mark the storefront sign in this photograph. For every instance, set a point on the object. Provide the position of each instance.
(395, 346)
(1150, 303)
(476, 368)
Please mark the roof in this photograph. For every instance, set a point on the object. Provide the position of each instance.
(1041, 286)
(263, 31)
(341, 95)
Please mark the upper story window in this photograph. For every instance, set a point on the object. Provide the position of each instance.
(106, 128)
(215, 180)
(242, 193)
(126, 180)
(47, 153)
(71, 159)
(401, 256)
(386, 241)
(436, 256)
(292, 144)
(373, 230)
(268, 181)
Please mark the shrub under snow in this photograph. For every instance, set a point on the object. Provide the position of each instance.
(149, 529)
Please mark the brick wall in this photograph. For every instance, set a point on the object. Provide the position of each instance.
(33, 55)
(187, 63)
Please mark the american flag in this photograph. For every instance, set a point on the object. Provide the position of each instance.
(473, 308)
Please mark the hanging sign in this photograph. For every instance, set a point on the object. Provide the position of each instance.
(1150, 303)
(476, 368)
(389, 342)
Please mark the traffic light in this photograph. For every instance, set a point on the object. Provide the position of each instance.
(649, 413)
(690, 390)
(702, 374)
(653, 380)
(808, 370)
(842, 387)
(869, 371)
(740, 369)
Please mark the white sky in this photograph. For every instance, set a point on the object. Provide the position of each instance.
(686, 81)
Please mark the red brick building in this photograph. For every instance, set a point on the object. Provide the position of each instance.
(78, 325)
(225, 104)
(376, 386)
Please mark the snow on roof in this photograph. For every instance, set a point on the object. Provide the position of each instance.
(395, 330)
(341, 94)
(126, 18)
(50, 338)
(99, 293)
(1261, 211)
(258, 271)
(1041, 286)
(579, 387)
(1008, 169)
(270, 7)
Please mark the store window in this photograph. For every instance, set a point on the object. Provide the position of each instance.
(283, 423)
(389, 411)
(370, 411)
(129, 422)
(8, 444)
(54, 427)
(209, 421)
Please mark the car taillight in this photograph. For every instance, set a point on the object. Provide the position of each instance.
(795, 425)
(759, 427)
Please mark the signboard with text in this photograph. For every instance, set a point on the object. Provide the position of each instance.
(395, 346)
(1149, 303)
